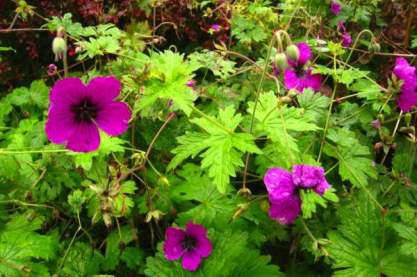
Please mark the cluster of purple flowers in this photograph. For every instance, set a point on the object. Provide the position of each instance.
(408, 94)
(283, 189)
(336, 9)
(299, 74)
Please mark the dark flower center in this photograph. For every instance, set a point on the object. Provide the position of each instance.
(85, 111)
(299, 71)
(189, 243)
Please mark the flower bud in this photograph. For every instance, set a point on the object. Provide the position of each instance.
(407, 118)
(293, 52)
(59, 47)
(374, 46)
(281, 61)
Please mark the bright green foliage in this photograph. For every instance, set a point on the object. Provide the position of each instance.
(365, 246)
(310, 200)
(81, 260)
(314, 105)
(409, 246)
(232, 256)
(168, 76)
(354, 162)
(114, 243)
(213, 208)
(220, 146)
(21, 246)
(214, 62)
(280, 124)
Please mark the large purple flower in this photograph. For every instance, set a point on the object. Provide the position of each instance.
(282, 187)
(335, 7)
(408, 94)
(191, 244)
(299, 75)
(77, 111)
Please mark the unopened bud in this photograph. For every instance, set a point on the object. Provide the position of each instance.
(59, 47)
(374, 46)
(281, 61)
(244, 192)
(163, 181)
(407, 119)
(107, 220)
(155, 214)
(285, 99)
(293, 52)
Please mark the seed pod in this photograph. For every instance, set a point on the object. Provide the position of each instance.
(292, 52)
(281, 61)
(59, 47)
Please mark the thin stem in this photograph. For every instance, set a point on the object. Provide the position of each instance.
(329, 111)
(258, 92)
(357, 40)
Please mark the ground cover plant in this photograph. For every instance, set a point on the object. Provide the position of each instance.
(208, 138)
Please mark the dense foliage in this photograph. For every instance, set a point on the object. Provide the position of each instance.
(208, 138)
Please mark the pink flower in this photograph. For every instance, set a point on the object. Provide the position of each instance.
(282, 187)
(335, 7)
(408, 94)
(191, 83)
(191, 244)
(78, 111)
(299, 76)
(346, 39)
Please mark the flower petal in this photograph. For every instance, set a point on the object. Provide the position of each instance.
(173, 249)
(199, 233)
(85, 138)
(407, 100)
(307, 176)
(279, 183)
(191, 261)
(113, 118)
(322, 187)
(305, 53)
(67, 91)
(104, 89)
(403, 70)
(285, 210)
(60, 124)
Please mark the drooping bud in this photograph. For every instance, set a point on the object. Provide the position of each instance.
(59, 47)
(376, 124)
(281, 61)
(374, 46)
(293, 52)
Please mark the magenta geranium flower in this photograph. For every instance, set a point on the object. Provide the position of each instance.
(346, 39)
(408, 94)
(191, 244)
(283, 186)
(299, 75)
(78, 111)
(335, 7)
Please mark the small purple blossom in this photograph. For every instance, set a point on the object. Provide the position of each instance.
(52, 69)
(78, 111)
(299, 76)
(408, 94)
(191, 83)
(335, 7)
(191, 244)
(214, 28)
(346, 39)
(376, 124)
(282, 187)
